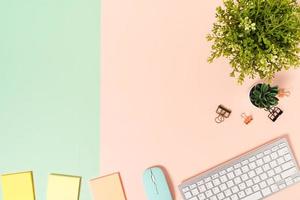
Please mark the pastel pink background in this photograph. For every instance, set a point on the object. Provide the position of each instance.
(159, 95)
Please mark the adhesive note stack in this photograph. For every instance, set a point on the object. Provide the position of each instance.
(63, 187)
(107, 188)
(18, 186)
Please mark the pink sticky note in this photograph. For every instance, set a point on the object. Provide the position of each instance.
(107, 188)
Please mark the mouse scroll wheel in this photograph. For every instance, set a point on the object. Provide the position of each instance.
(153, 178)
(154, 181)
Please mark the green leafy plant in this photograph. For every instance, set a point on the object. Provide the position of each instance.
(264, 96)
(260, 37)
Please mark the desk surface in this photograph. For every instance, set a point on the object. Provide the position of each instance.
(159, 95)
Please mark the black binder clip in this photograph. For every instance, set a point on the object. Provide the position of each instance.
(223, 113)
(275, 112)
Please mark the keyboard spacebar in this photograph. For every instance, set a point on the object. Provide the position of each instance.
(255, 196)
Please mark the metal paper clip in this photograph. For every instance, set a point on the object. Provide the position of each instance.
(283, 93)
(223, 113)
(275, 112)
(247, 118)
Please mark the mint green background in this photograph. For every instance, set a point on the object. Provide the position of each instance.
(49, 89)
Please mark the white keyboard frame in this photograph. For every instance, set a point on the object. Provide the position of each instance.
(239, 159)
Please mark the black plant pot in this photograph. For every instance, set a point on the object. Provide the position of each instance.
(251, 91)
(274, 112)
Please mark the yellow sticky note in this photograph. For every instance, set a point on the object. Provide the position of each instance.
(107, 188)
(63, 187)
(18, 186)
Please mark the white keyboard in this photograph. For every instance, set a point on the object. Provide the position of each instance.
(252, 176)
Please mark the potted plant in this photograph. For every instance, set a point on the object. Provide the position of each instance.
(265, 96)
(259, 37)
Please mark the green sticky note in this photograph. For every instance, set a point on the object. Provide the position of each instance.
(49, 89)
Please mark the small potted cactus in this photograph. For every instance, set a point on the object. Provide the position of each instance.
(265, 96)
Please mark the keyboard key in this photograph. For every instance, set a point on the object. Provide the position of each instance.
(297, 179)
(237, 166)
(234, 197)
(267, 152)
(195, 192)
(235, 189)
(259, 170)
(266, 167)
(245, 169)
(256, 179)
(244, 177)
(260, 155)
(223, 178)
(271, 173)
(230, 184)
(263, 184)
(207, 179)
(267, 159)
(270, 181)
(277, 178)
(213, 198)
(255, 188)
(208, 193)
(282, 186)
(241, 194)
(274, 155)
(216, 182)
(274, 188)
(200, 182)
(230, 169)
(275, 148)
(264, 176)
(223, 187)
(215, 176)
(193, 186)
(252, 159)
(287, 157)
(237, 180)
(287, 165)
(251, 174)
(249, 183)
(242, 186)
(221, 196)
(230, 175)
(188, 195)
(278, 170)
(245, 162)
(223, 172)
(238, 172)
(194, 198)
(252, 165)
(248, 191)
(201, 197)
(209, 185)
(202, 188)
(282, 145)
(255, 196)
(273, 164)
(227, 192)
(283, 151)
(185, 189)
(289, 181)
(280, 160)
(289, 172)
(216, 190)
(267, 191)
(259, 162)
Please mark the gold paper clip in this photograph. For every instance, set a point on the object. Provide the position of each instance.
(223, 113)
(247, 118)
(283, 93)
